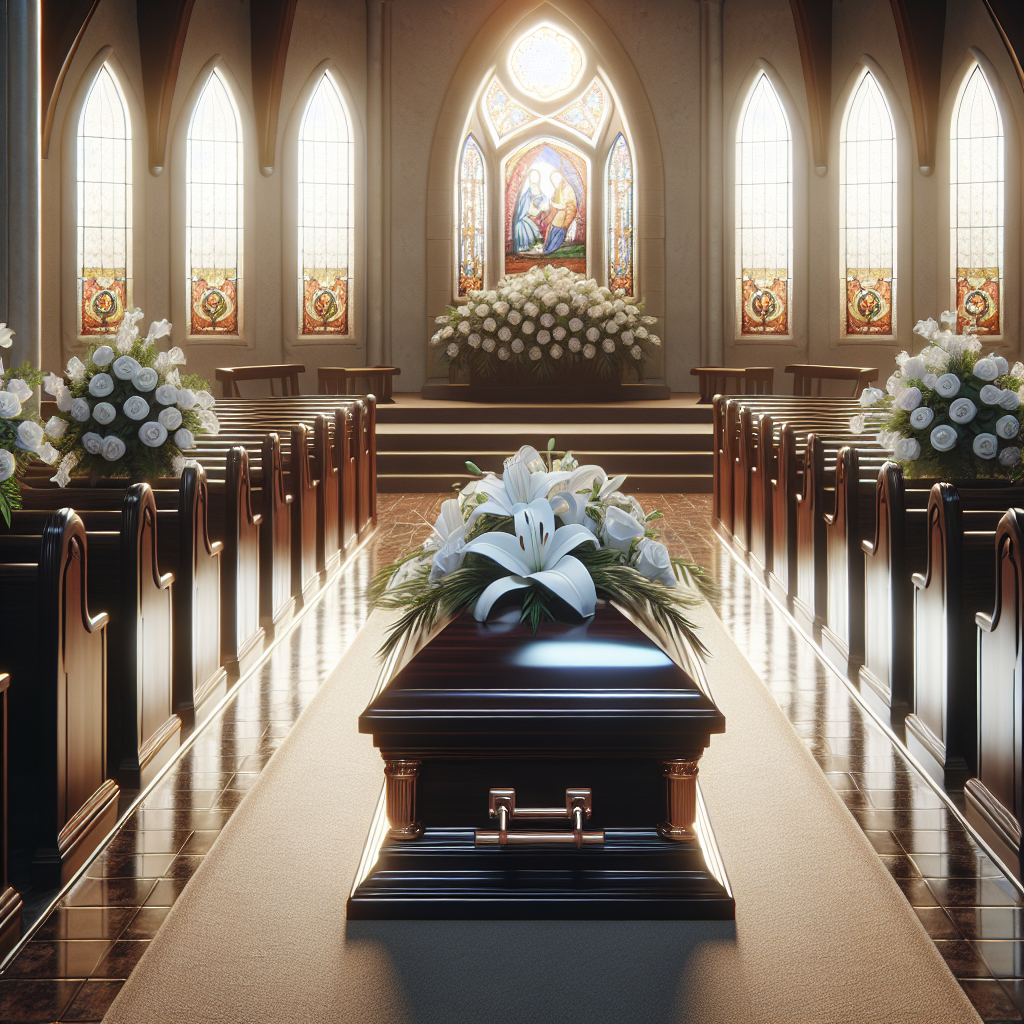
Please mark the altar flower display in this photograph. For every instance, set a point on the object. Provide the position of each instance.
(126, 410)
(949, 411)
(547, 323)
(550, 535)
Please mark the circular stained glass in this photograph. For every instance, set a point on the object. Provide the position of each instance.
(104, 305)
(763, 305)
(546, 62)
(978, 304)
(868, 304)
(324, 306)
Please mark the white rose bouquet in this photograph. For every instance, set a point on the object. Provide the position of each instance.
(549, 535)
(548, 324)
(126, 410)
(950, 411)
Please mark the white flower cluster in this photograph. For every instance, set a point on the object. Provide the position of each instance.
(544, 314)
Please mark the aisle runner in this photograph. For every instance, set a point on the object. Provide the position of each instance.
(821, 933)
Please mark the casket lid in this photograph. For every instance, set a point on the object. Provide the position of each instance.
(565, 686)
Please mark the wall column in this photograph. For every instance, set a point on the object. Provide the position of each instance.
(24, 198)
(374, 182)
(712, 209)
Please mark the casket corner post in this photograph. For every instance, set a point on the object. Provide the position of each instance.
(547, 775)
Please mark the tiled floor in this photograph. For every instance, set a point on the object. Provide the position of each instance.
(74, 964)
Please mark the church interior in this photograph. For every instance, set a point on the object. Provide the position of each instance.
(412, 407)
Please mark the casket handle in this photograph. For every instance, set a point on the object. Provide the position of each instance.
(502, 806)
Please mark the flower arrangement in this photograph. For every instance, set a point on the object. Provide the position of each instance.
(126, 410)
(554, 536)
(548, 322)
(949, 411)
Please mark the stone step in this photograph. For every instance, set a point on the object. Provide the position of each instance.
(613, 462)
(478, 412)
(508, 437)
(638, 483)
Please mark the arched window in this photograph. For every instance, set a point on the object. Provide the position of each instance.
(620, 216)
(471, 218)
(214, 211)
(764, 214)
(867, 212)
(104, 173)
(326, 213)
(976, 207)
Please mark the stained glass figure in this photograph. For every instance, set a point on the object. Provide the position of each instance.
(214, 191)
(764, 214)
(504, 113)
(471, 218)
(104, 171)
(326, 199)
(867, 212)
(546, 62)
(584, 115)
(976, 207)
(545, 207)
(620, 217)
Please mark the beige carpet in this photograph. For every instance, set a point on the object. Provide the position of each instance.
(821, 933)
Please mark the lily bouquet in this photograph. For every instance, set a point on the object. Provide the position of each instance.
(126, 410)
(547, 322)
(949, 411)
(553, 536)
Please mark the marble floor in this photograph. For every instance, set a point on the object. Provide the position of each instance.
(83, 949)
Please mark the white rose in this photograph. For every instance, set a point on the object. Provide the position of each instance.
(654, 339)
(1001, 365)
(929, 380)
(910, 399)
(474, 341)
(205, 400)
(1009, 400)
(452, 350)
(483, 309)
(1009, 456)
(915, 368)
(574, 344)
(92, 442)
(75, 369)
(186, 398)
(555, 351)
(447, 333)
(608, 345)
(503, 353)
(963, 410)
(16, 386)
(488, 345)
(125, 367)
(653, 561)
(101, 385)
(948, 385)
(991, 394)
(501, 308)
(535, 353)
(907, 449)
(463, 310)
(543, 337)
(921, 417)
(167, 394)
(490, 325)
(612, 327)
(102, 357)
(104, 413)
(136, 408)
(30, 435)
(504, 334)
(1008, 427)
(986, 446)
(146, 379)
(593, 334)
(10, 405)
(626, 337)
(575, 324)
(183, 438)
(589, 351)
(56, 427)
(620, 529)
(943, 437)
(209, 422)
(170, 417)
(113, 448)
(80, 410)
(636, 352)
(518, 346)
(641, 333)
(531, 309)
(857, 424)
(986, 369)
(52, 384)
(562, 309)
(528, 327)
(550, 298)
(153, 433)
(7, 465)
(515, 317)
(464, 328)
(547, 320)
(594, 312)
(435, 339)
(926, 328)
(158, 329)
(559, 333)
(868, 397)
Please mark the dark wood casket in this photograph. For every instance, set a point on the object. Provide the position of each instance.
(541, 776)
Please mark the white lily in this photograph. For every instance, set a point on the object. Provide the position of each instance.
(583, 478)
(518, 486)
(448, 521)
(448, 540)
(5, 336)
(537, 554)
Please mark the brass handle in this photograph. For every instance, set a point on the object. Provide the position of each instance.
(502, 806)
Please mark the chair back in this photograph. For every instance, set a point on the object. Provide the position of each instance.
(808, 378)
(283, 378)
(357, 380)
(733, 380)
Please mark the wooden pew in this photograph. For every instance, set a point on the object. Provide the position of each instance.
(63, 802)
(11, 903)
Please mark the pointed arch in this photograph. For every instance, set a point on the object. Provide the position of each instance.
(764, 214)
(619, 216)
(103, 170)
(472, 218)
(326, 201)
(868, 212)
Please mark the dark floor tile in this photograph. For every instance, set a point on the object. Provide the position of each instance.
(903, 819)
(177, 820)
(92, 1001)
(853, 798)
(970, 892)
(243, 780)
(989, 922)
(29, 1002)
(254, 763)
(166, 798)
(1005, 957)
(199, 843)
(909, 799)
(150, 841)
(110, 892)
(116, 865)
(899, 865)
(917, 892)
(120, 961)
(956, 865)
(146, 923)
(184, 867)
(166, 892)
(84, 923)
(991, 1001)
(928, 841)
(937, 923)
(72, 958)
(884, 842)
(962, 958)
(1014, 988)
(231, 798)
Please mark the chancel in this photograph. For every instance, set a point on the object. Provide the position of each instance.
(512, 510)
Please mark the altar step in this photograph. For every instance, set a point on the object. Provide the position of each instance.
(661, 446)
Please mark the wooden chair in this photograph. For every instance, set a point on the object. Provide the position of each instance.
(339, 380)
(749, 380)
(807, 378)
(286, 374)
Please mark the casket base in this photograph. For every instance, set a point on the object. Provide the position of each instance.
(633, 875)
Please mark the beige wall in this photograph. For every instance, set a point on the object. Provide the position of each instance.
(426, 43)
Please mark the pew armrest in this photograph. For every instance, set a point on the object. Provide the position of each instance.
(984, 621)
(92, 623)
(919, 580)
(216, 547)
(868, 547)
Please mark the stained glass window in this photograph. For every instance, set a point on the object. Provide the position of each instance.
(976, 209)
(585, 114)
(326, 197)
(620, 217)
(104, 172)
(214, 210)
(546, 62)
(867, 212)
(764, 214)
(505, 114)
(471, 218)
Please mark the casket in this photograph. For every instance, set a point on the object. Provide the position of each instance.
(547, 775)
